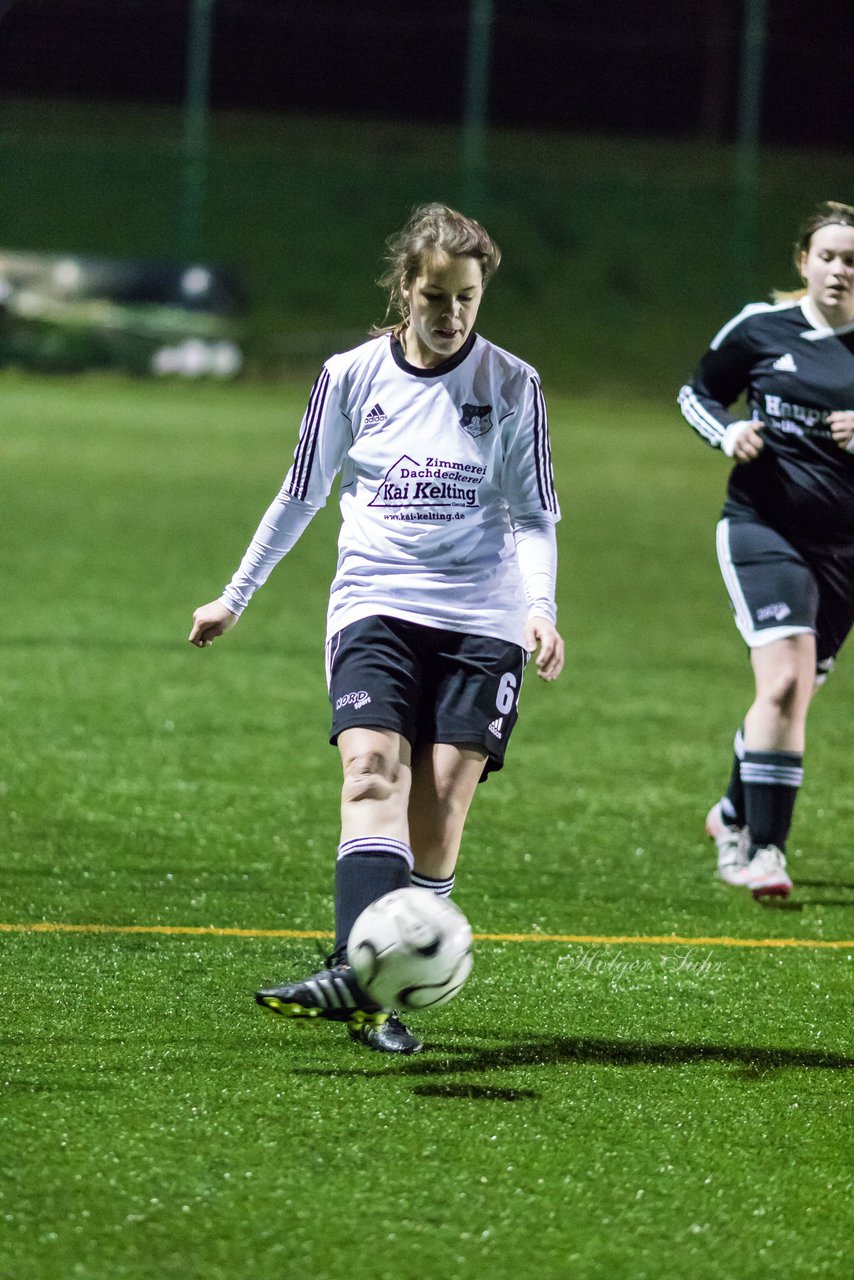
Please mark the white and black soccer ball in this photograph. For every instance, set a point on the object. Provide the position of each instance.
(411, 949)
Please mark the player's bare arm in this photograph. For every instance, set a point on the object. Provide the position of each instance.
(543, 638)
(209, 621)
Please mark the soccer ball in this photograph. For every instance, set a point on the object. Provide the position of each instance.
(411, 949)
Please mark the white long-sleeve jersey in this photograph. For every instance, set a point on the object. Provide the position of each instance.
(447, 493)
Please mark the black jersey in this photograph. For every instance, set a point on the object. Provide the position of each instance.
(794, 373)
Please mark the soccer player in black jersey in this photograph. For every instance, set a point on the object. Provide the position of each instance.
(785, 541)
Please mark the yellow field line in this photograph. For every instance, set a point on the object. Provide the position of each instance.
(590, 939)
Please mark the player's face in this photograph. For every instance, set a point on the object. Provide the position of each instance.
(443, 301)
(828, 270)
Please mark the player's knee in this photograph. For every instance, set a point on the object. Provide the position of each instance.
(370, 776)
(786, 688)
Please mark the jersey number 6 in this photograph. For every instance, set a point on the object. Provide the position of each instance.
(506, 693)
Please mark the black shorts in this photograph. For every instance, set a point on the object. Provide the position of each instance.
(779, 590)
(426, 684)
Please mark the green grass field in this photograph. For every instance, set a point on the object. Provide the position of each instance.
(648, 1076)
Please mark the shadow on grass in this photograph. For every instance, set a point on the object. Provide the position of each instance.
(795, 904)
(445, 1059)
(825, 884)
(475, 1091)
(838, 886)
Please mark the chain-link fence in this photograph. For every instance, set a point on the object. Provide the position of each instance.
(620, 259)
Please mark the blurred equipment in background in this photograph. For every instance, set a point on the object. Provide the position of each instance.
(63, 312)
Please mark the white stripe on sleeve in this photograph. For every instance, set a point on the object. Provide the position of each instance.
(703, 422)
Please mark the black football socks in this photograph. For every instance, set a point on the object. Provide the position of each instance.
(771, 780)
(367, 869)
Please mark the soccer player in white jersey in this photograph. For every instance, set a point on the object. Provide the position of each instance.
(786, 539)
(444, 587)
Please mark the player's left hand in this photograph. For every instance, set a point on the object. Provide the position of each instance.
(543, 637)
(841, 423)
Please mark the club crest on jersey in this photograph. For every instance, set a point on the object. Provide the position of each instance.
(476, 419)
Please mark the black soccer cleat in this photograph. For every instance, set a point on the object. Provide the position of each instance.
(332, 993)
(390, 1036)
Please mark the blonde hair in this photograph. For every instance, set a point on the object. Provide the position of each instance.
(829, 213)
(431, 228)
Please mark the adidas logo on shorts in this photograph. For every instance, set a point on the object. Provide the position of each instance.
(495, 727)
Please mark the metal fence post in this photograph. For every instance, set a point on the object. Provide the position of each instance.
(475, 113)
(196, 127)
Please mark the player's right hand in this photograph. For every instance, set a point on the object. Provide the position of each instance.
(749, 443)
(542, 634)
(841, 423)
(209, 621)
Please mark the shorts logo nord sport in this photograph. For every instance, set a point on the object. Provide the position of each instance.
(778, 612)
(360, 699)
